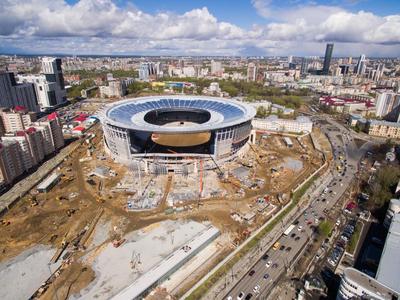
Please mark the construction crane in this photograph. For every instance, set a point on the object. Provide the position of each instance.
(135, 261)
(200, 182)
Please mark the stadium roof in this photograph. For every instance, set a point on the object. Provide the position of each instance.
(130, 113)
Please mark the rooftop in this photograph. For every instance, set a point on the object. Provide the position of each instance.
(384, 123)
(389, 265)
(368, 283)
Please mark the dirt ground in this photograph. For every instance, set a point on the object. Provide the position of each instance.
(48, 222)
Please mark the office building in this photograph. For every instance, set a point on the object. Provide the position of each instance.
(394, 208)
(388, 105)
(16, 119)
(358, 285)
(304, 66)
(361, 65)
(386, 284)
(327, 59)
(272, 123)
(13, 94)
(115, 88)
(49, 85)
(251, 72)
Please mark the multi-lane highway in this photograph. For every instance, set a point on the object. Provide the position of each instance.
(266, 272)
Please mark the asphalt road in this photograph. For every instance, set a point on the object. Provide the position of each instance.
(279, 260)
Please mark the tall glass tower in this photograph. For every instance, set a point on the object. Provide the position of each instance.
(327, 59)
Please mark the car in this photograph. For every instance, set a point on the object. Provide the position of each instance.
(323, 200)
(296, 222)
(251, 273)
(293, 235)
(229, 298)
(275, 265)
(337, 222)
(265, 257)
(309, 222)
(240, 296)
(296, 238)
(268, 264)
(266, 276)
(249, 296)
(300, 228)
(288, 249)
(256, 289)
(282, 248)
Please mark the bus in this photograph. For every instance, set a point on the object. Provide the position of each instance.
(289, 230)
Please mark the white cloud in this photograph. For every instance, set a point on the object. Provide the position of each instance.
(100, 26)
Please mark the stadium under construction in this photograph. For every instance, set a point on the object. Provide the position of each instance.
(161, 134)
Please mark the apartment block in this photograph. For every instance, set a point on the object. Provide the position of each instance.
(11, 165)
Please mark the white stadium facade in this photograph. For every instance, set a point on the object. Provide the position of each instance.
(175, 133)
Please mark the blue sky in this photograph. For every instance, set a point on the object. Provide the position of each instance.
(213, 27)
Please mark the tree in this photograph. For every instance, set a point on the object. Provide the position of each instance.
(381, 189)
(261, 112)
(325, 228)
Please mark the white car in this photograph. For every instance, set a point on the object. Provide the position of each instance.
(229, 298)
(337, 222)
(300, 228)
(268, 264)
(256, 289)
(240, 296)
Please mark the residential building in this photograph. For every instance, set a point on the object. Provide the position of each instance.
(388, 105)
(251, 72)
(216, 68)
(57, 137)
(272, 123)
(13, 94)
(327, 59)
(383, 129)
(11, 164)
(147, 71)
(16, 119)
(24, 148)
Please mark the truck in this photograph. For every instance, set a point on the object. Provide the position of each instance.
(289, 230)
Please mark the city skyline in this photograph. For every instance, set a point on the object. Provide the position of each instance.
(249, 28)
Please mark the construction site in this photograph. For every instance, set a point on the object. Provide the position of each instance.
(101, 226)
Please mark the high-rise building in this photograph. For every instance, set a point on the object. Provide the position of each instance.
(327, 59)
(290, 59)
(17, 118)
(24, 149)
(13, 94)
(49, 85)
(147, 70)
(304, 66)
(56, 130)
(387, 105)
(361, 65)
(216, 68)
(251, 72)
(11, 165)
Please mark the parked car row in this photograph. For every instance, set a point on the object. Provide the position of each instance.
(340, 245)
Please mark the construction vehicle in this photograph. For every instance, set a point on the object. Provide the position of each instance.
(117, 243)
(33, 201)
(100, 199)
(70, 212)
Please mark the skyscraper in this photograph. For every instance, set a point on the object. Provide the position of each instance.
(360, 68)
(327, 59)
(304, 65)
